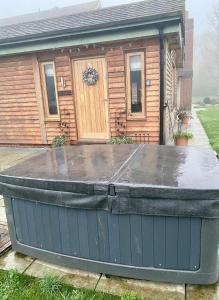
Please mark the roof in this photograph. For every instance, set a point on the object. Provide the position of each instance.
(97, 20)
(55, 12)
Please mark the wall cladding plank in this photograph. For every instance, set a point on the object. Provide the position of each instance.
(18, 106)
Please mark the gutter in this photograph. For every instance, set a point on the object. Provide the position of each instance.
(162, 86)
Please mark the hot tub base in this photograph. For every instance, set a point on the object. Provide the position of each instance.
(158, 248)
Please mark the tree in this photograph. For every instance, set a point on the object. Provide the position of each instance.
(206, 62)
(214, 49)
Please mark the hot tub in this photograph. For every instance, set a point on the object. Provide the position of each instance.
(138, 211)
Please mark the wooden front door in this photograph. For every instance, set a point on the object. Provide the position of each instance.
(91, 100)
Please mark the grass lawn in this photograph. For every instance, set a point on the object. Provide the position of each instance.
(210, 121)
(15, 286)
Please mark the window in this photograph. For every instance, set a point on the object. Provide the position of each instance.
(135, 85)
(49, 90)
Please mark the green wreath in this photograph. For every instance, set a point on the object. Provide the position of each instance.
(90, 76)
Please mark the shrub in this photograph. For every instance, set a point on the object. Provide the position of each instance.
(120, 140)
(182, 134)
(215, 101)
(58, 141)
(207, 100)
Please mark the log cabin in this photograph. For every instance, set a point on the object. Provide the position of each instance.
(92, 75)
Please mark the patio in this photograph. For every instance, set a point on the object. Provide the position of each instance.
(8, 158)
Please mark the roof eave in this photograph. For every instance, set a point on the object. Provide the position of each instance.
(170, 27)
(94, 29)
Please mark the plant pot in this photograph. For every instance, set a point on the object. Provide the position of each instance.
(185, 120)
(181, 141)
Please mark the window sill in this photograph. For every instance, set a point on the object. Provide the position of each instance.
(55, 119)
(136, 118)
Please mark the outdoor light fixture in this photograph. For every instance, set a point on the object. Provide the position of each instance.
(63, 82)
(148, 82)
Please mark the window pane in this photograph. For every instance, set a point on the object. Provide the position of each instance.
(136, 83)
(50, 89)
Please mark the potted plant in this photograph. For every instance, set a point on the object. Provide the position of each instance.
(181, 138)
(184, 117)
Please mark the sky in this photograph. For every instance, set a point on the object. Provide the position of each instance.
(199, 9)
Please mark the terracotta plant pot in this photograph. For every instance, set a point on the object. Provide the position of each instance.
(185, 120)
(181, 141)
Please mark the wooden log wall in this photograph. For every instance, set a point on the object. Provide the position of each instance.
(19, 95)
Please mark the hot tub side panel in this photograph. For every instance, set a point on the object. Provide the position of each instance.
(146, 247)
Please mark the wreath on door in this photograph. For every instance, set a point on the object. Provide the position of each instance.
(90, 76)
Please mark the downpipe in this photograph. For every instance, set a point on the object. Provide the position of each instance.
(162, 86)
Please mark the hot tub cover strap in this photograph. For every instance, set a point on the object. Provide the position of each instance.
(118, 204)
(74, 200)
(166, 207)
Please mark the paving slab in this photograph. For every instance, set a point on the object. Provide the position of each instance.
(10, 156)
(5, 243)
(146, 289)
(2, 204)
(3, 219)
(200, 137)
(197, 292)
(77, 278)
(11, 261)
